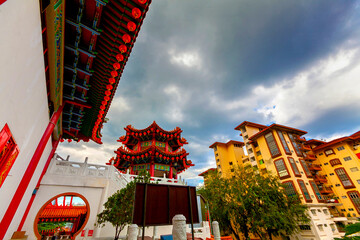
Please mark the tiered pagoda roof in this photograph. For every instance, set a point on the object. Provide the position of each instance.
(152, 145)
(99, 37)
(133, 136)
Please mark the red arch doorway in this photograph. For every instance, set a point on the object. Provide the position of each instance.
(65, 214)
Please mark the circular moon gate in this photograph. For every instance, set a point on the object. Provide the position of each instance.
(63, 215)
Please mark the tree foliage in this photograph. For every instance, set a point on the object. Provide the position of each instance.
(118, 209)
(252, 203)
(351, 232)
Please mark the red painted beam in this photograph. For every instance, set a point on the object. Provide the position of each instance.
(38, 184)
(20, 191)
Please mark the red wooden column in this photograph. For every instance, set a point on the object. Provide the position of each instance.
(152, 170)
(20, 191)
(171, 172)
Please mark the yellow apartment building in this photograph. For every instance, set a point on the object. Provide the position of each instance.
(329, 189)
(340, 165)
(228, 156)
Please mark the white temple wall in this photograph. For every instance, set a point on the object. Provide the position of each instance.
(23, 98)
(46, 192)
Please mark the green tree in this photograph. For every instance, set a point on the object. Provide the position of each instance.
(119, 206)
(252, 203)
(350, 231)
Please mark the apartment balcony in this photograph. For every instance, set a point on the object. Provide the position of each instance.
(310, 157)
(320, 179)
(325, 190)
(314, 167)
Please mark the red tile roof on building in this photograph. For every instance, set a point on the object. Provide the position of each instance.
(355, 136)
(207, 172)
(228, 143)
(251, 124)
(277, 126)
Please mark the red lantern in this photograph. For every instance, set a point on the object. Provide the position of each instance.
(69, 140)
(116, 65)
(122, 48)
(142, 156)
(109, 87)
(61, 140)
(104, 102)
(100, 115)
(107, 93)
(119, 57)
(112, 80)
(106, 98)
(101, 111)
(126, 38)
(102, 107)
(146, 154)
(136, 13)
(114, 73)
(142, 1)
(131, 26)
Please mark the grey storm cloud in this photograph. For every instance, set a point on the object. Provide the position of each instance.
(208, 65)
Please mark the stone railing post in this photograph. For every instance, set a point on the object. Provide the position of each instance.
(216, 230)
(154, 232)
(179, 227)
(133, 232)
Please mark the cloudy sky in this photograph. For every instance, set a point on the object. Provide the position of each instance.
(208, 65)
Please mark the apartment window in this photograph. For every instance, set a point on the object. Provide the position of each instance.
(230, 163)
(255, 144)
(340, 148)
(294, 167)
(216, 155)
(237, 145)
(313, 211)
(326, 212)
(337, 185)
(283, 142)
(344, 197)
(304, 191)
(8, 152)
(329, 152)
(261, 161)
(331, 174)
(358, 181)
(295, 145)
(219, 167)
(351, 209)
(344, 178)
(354, 169)
(281, 168)
(305, 227)
(305, 167)
(289, 188)
(217, 160)
(321, 228)
(343, 210)
(232, 170)
(333, 227)
(258, 153)
(335, 162)
(316, 191)
(355, 198)
(347, 158)
(215, 148)
(321, 154)
(326, 163)
(274, 150)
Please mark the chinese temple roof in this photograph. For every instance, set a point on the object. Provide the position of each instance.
(98, 38)
(133, 136)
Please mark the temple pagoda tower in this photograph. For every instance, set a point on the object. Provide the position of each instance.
(152, 149)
